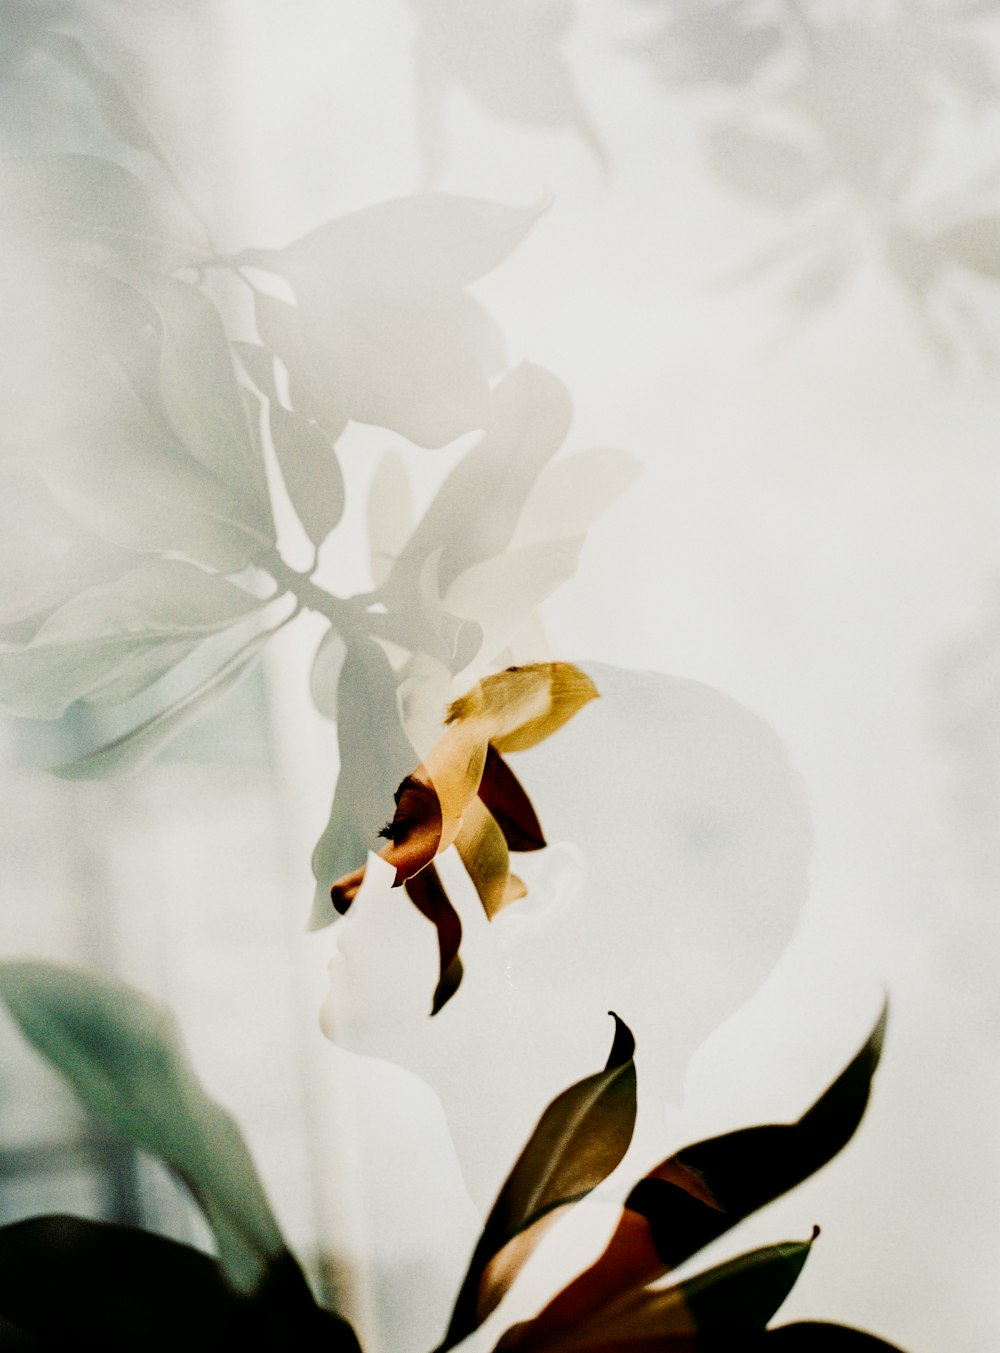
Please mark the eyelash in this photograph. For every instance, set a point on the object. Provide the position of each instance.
(396, 830)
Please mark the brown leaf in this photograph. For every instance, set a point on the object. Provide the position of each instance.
(732, 1301)
(427, 894)
(503, 794)
(698, 1194)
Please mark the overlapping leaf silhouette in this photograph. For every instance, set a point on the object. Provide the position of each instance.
(123, 1058)
(731, 1302)
(506, 59)
(111, 641)
(682, 1205)
(382, 330)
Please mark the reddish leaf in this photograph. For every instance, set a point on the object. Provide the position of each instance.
(698, 1194)
(580, 1138)
(718, 1308)
(427, 894)
(503, 794)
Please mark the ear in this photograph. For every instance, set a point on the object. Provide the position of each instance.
(556, 881)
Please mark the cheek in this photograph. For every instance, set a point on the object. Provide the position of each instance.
(382, 974)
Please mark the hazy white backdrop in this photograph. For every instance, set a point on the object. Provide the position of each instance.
(814, 533)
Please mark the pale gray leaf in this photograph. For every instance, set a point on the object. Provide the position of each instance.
(572, 492)
(501, 593)
(132, 750)
(111, 641)
(99, 207)
(388, 514)
(311, 471)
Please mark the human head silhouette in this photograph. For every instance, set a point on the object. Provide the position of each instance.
(677, 867)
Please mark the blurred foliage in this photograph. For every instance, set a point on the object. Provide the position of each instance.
(846, 119)
(146, 430)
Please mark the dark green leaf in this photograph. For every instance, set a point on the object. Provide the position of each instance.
(133, 749)
(72, 1283)
(311, 471)
(580, 1138)
(123, 1057)
(375, 756)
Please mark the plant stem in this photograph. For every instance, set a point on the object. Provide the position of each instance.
(343, 613)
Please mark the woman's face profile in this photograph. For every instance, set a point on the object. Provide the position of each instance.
(676, 869)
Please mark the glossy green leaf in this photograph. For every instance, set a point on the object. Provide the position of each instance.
(98, 208)
(580, 1138)
(311, 471)
(123, 1057)
(375, 756)
(135, 748)
(113, 640)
